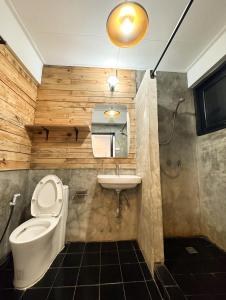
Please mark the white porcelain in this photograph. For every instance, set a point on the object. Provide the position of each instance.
(36, 242)
(119, 182)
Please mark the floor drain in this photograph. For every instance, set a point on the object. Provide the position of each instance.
(191, 250)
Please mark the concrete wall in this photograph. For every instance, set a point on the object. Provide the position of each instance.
(150, 231)
(12, 182)
(212, 180)
(93, 218)
(180, 191)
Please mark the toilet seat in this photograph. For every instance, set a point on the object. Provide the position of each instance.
(47, 197)
(32, 230)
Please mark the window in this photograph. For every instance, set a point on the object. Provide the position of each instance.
(210, 102)
(103, 144)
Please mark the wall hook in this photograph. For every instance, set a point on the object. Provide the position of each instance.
(3, 161)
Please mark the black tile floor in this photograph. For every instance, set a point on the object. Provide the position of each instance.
(89, 271)
(201, 275)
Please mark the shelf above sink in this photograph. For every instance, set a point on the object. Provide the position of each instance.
(119, 182)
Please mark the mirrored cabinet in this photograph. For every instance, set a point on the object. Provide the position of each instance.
(110, 130)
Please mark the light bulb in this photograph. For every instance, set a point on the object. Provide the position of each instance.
(127, 25)
(112, 81)
(112, 113)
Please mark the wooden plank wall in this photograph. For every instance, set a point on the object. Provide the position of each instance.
(18, 94)
(70, 93)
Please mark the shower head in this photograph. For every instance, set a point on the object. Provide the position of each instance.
(181, 100)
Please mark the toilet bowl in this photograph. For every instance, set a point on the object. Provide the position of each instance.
(36, 242)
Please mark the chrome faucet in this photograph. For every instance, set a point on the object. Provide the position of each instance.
(117, 169)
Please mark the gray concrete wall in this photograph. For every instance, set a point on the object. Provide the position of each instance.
(12, 182)
(93, 218)
(180, 190)
(212, 180)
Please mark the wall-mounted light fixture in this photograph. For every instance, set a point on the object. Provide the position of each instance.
(127, 24)
(112, 81)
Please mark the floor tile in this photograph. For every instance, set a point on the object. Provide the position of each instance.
(87, 293)
(135, 245)
(36, 294)
(125, 246)
(127, 257)
(10, 294)
(108, 247)
(91, 259)
(58, 261)
(136, 290)
(6, 279)
(65, 249)
(140, 256)
(175, 293)
(206, 297)
(164, 275)
(76, 247)
(89, 275)
(66, 293)
(48, 279)
(72, 260)
(109, 258)
(112, 292)
(132, 272)
(110, 274)
(194, 273)
(92, 247)
(146, 271)
(220, 283)
(66, 277)
(153, 290)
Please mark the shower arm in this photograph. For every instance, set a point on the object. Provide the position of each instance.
(152, 72)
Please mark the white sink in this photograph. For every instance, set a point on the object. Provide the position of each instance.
(119, 182)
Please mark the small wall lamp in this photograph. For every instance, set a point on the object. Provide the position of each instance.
(112, 81)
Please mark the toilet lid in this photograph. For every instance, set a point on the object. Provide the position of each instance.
(47, 198)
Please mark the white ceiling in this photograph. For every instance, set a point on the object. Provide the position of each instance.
(72, 32)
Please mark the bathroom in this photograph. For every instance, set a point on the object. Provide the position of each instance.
(138, 177)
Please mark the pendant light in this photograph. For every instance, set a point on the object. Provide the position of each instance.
(112, 113)
(127, 24)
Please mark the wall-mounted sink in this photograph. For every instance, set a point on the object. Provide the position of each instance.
(119, 182)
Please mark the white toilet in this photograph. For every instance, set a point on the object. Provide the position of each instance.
(36, 242)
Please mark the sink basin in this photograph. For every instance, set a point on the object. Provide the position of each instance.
(119, 182)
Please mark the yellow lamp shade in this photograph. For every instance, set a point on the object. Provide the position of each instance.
(112, 114)
(127, 24)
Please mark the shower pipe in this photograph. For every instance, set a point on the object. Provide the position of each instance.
(152, 72)
(181, 100)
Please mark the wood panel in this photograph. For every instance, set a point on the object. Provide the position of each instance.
(68, 95)
(18, 95)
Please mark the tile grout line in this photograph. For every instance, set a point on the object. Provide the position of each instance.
(57, 272)
(100, 269)
(79, 268)
(124, 292)
(135, 250)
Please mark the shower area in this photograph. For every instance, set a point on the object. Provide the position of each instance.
(178, 160)
(193, 189)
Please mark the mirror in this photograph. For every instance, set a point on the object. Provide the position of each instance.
(110, 125)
